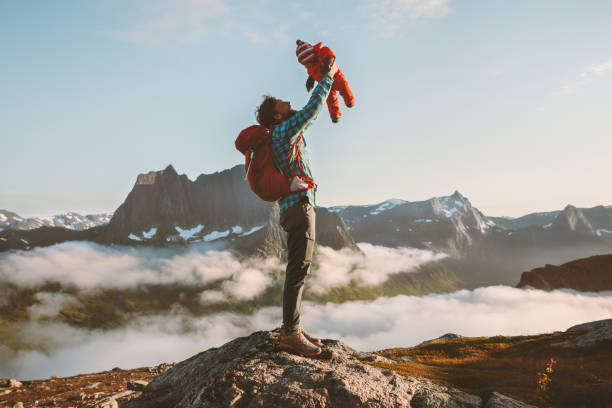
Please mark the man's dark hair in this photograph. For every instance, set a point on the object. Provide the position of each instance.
(266, 111)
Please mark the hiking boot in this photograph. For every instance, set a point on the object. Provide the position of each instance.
(312, 339)
(335, 118)
(299, 344)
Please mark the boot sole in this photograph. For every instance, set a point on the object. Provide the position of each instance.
(292, 348)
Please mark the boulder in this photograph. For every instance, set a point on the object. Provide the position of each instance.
(254, 371)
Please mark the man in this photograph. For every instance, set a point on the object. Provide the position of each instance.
(297, 216)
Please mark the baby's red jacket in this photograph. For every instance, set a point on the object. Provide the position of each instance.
(340, 83)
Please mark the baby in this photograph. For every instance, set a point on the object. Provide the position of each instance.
(318, 61)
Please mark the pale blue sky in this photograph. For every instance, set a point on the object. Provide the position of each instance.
(508, 102)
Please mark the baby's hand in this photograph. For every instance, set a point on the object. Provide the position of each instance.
(327, 65)
(334, 68)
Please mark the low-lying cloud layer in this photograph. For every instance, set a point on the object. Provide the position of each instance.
(386, 322)
(91, 266)
(373, 267)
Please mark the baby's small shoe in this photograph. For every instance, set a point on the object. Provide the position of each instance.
(335, 118)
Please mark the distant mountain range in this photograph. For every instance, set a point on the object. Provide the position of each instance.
(70, 220)
(449, 223)
(165, 207)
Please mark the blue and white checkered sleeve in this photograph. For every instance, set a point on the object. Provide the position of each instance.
(299, 122)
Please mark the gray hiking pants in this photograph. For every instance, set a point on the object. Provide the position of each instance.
(299, 223)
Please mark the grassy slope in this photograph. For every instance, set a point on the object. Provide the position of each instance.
(581, 377)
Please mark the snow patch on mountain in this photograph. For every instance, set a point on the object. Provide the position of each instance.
(150, 233)
(601, 231)
(216, 235)
(450, 213)
(252, 230)
(134, 237)
(387, 205)
(70, 220)
(189, 233)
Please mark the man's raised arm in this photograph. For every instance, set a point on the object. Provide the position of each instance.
(292, 127)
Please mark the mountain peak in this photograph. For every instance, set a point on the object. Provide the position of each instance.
(573, 219)
(569, 207)
(170, 170)
(457, 195)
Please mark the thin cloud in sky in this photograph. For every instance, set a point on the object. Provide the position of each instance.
(255, 37)
(388, 16)
(587, 76)
(178, 21)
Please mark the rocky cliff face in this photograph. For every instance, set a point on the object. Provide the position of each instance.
(591, 274)
(254, 372)
(163, 204)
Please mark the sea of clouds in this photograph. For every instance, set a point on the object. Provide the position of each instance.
(59, 349)
(399, 321)
(90, 266)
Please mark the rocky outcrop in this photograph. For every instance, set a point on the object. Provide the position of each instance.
(591, 274)
(588, 334)
(254, 372)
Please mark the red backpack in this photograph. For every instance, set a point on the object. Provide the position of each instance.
(265, 179)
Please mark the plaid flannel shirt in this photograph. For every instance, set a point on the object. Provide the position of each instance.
(284, 138)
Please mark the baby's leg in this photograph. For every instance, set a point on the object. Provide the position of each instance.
(344, 89)
(333, 107)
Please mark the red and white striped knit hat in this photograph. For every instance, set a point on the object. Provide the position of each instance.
(305, 52)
